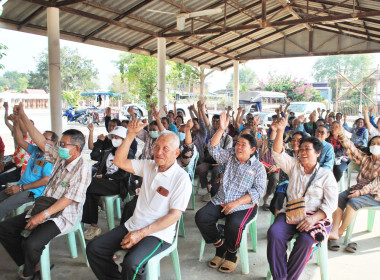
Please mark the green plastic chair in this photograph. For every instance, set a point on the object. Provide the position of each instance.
(109, 202)
(153, 265)
(322, 257)
(243, 249)
(352, 167)
(370, 222)
(21, 209)
(192, 181)
(182, 226)
(342, 182)
(45, 257)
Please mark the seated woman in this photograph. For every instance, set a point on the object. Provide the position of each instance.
(341, 160)
(242, 186)
(359, 132)
(364, 194)
(320, 192)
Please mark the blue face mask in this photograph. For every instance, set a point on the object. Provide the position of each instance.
(64, 153)
(153, 134)
(181, 136)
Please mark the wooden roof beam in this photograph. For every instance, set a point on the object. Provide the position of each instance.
(284, 4)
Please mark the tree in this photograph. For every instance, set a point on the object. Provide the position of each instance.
(247, 79)
(14, 80)
(180, 75)
(21, 84)
(3, 48)
(296, 90)
(121, 86)
(140, 72)
(77, 73)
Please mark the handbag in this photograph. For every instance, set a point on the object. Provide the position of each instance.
(295, 210)
(42, 203)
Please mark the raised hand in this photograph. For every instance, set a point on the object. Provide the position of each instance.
(319, 111)
(224, 121)
(108, 111)
(301, 118)
(240, 109)
(5, 104)
(365, 109)
(136, 126)
(165, 108)
(256, 120)
(229, 108)
(189, 124)
(90, 127)
(371, 110)
(344, 118)
(282, 123)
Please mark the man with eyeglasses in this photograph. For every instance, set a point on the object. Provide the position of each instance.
(64, 196)
(33, 180)
(327, 157)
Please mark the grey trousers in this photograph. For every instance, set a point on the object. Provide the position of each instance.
(12, 202)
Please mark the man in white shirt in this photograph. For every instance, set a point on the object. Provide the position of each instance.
(164, 195)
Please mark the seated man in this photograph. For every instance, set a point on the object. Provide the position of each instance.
(327, 157)
(164, 195)
(33, 180)
(66, 190)
(242, 185)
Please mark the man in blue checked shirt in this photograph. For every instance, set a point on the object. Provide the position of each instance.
(241, 187)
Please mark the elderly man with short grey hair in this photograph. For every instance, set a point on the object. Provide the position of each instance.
(164, 195)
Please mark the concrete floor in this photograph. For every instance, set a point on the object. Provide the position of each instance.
(342, 265)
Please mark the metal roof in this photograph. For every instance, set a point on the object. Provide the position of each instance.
(245, 29)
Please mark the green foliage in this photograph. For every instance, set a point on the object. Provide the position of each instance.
(72, 97)
(21, 84)
(3, 48)
(296, 90)
(181, 75)
(247, 79)
(77, 73)
(140, 72)
(14, 80)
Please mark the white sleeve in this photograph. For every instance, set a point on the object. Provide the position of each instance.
(284, 161)
(138, 166)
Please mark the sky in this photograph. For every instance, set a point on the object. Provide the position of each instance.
(24, 47)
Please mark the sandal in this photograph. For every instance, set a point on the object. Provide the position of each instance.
(216, 261)
(228, 266)
(333, 245)
(351, 247)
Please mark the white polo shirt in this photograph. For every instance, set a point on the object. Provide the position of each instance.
(160, 192)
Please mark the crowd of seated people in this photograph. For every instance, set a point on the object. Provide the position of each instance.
(297, 160)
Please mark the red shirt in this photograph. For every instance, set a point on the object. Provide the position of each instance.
(2, 146)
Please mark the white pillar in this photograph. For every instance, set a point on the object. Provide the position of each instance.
(161, 57)
(54, 70)
(236, 86)
(202, 85)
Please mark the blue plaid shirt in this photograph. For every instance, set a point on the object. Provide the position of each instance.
(239, 178)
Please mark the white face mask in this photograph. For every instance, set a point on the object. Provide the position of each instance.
(375, 150)
(117, 142)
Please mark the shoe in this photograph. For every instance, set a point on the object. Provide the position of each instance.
(206, 197)
(92, 232)
(266, 207)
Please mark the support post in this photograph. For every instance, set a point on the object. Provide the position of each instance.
(236, 85)
(161, 57)
(202, 85)
(54, 70)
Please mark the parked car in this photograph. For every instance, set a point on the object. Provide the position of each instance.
(305, 108)
(140, 112)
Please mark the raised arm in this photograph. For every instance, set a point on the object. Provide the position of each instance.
(37, 137)
(202, 114)
(121, 157)
(6, 120)
(91, 136)
(156, 115)
(17, 132)
(223, 124)
(188, 127)
(278, 141)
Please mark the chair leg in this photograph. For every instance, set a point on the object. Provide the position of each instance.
(323, 261)
(371, 219)
(203, 243)
(349, 231)
(182, 226)
(193, 198)
(253, 230)
(151, 270)
(176, 265)
(72, 244)
(45, 263)
(82, 245)
(243, 250)
(110, 215)
(118, 207)
(269, 274)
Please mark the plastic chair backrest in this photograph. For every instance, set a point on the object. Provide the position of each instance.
(195, 164)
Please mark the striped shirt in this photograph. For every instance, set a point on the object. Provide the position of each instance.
(239, 179)
(70, 181)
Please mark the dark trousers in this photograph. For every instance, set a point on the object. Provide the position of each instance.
(207, 217)
(273, 179)
(338, 170)
(279, 235)
(97, 188)
(9, 177)
(101, 250)
(26, 251)
(202, 170)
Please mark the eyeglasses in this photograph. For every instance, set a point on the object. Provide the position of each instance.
(63, 145)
